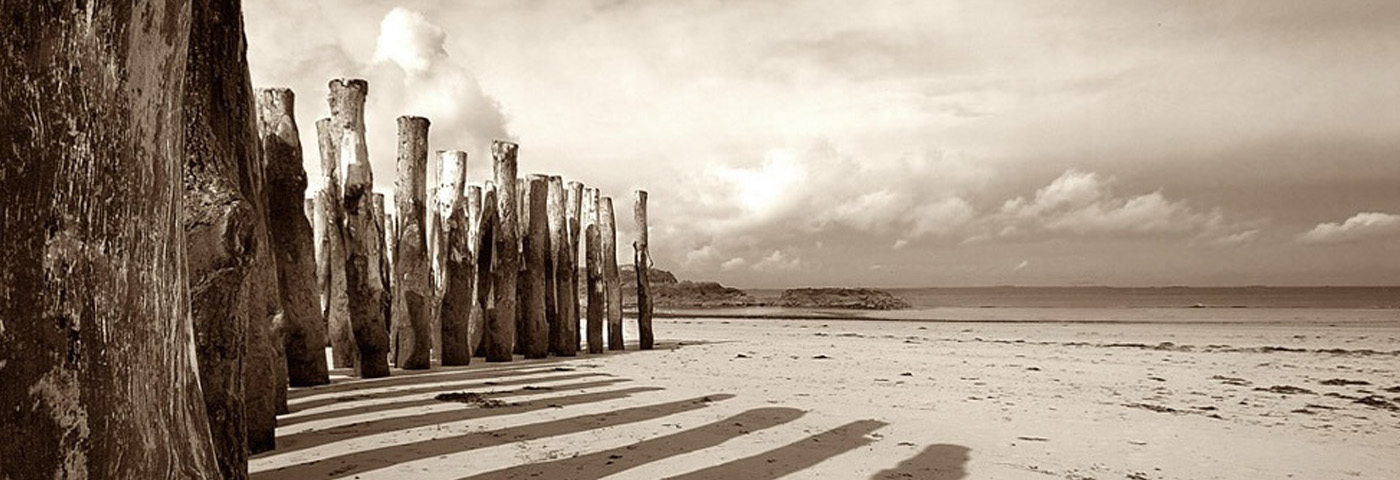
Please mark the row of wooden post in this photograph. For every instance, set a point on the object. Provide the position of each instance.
(490, 269)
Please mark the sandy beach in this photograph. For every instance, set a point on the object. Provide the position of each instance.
(765, 398)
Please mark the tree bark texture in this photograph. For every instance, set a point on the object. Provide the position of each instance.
(573, 204)
(613, 290)
(641, 262)
(500, 328)
(561, 271)
(363, 281)
(476, 323)
(412, 328)
(330, 260)
(100, 375)
(454, 307)
(534, 338)
(596, 289)
(233, 270)
(304, 333)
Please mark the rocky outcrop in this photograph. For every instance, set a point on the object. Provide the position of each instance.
(847, 298)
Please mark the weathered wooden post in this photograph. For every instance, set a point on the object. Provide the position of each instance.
(641, 262)
(330, 260)
(454, 307)
(573, 204)
(381, 252)
(363, 282)
(233, 273)
(534, 338)
(94, 299)
(561, 260)
(412, 328)
(431, 234)
(596, 289)
(522, 190)
(476, 323)
(500, 328)
(613, 290)
(485, 290)
(304, 336)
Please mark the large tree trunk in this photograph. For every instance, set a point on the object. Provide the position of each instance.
(573, 210)
(330, 260)
(562, 298)
(595, 289)
(500, 328)
(613, 287)
(304, 334)
(454, 309)
(100, 378)
(641, 263)
(534, 338)
(413, 292)
(363, 283)
(234, 275)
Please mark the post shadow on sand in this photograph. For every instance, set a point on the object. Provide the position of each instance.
(477, 370)
(315, 438)
(400, 404)
(937, 462)
(352, 396)
(794, 457)
(364, 461)
(608, 462)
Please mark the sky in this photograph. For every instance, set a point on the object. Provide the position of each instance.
(906, 143)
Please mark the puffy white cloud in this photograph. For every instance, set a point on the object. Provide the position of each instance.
(1358, 227)
(777, 261)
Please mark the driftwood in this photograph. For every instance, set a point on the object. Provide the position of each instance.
(612, 284)
(95, 297)
(641, 262)
(233, 273)
(330, 256)
(500, 327)
(534, 337)
(304, 335)
(596, 289)
(562, 339)
(363, 281)
(454, 307)
(411, 333)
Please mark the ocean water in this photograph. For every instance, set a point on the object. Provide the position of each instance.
(1184, 305)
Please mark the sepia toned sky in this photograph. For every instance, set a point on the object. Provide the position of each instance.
(907, 143)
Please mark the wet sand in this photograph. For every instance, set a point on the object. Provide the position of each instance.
(764, 398)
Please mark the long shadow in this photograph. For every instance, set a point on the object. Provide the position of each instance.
(381, 407)
(355, 397)
(436, 377)
(364, 461)
(314, 438)
(939, 461)
(794, 457)
(608, 462)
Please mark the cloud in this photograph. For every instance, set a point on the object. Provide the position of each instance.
(777, 261)
(1358, 227)
(733, 264)
(1021, 266)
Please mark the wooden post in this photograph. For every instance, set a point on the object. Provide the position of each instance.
(641, 262)
(226, 217)
(412, 328)
(363, 283)
(381, 252)
(431, 234)
(485, 289)
(330, 262)
(99, 377)
(613, 290)
(561, 260)
(500, 329)
(573, 202)
(534, 337)
(454, 307)
(304, 334)
(522, 189)
(476, 323)
(596, 289)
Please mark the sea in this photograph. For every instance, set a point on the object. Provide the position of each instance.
(1248, 305)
